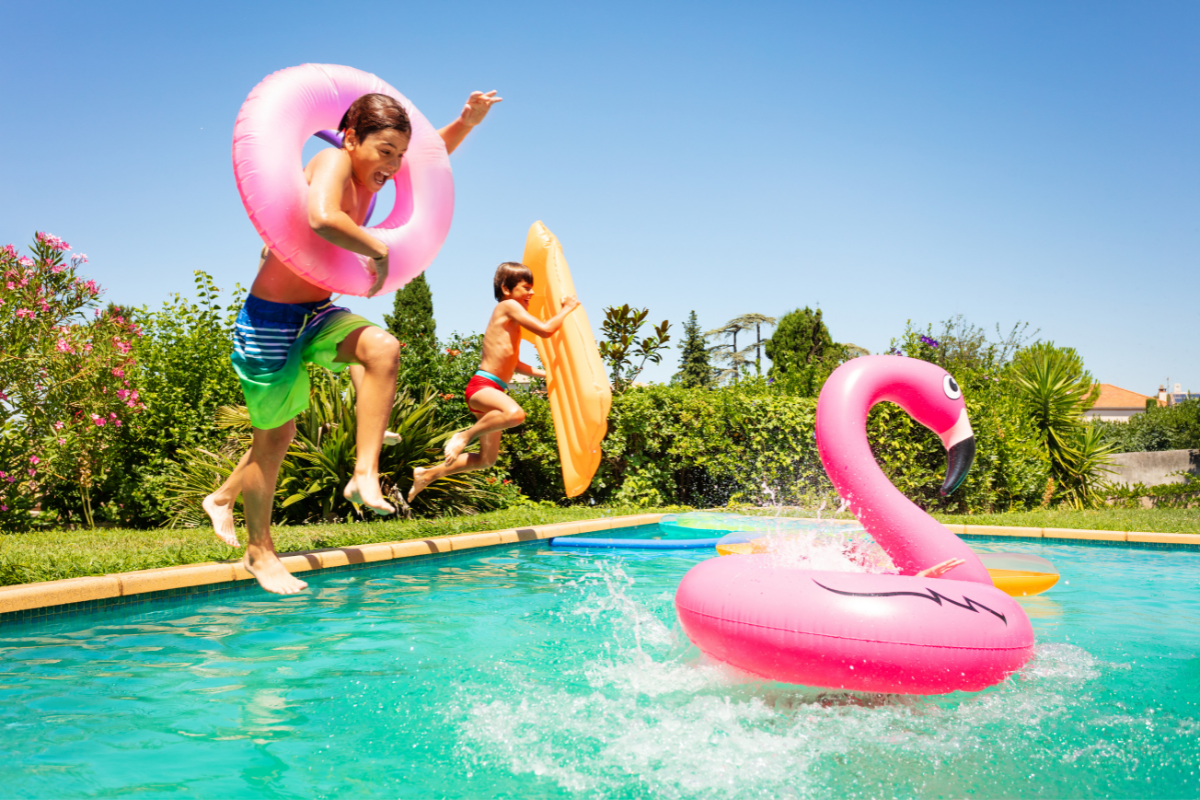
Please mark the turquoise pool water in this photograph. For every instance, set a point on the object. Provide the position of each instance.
(529, 672)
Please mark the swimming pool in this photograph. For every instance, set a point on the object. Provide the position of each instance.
(529, 672)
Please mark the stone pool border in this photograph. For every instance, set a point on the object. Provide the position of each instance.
(33, 602)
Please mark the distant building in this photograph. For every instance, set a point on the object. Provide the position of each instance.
(1179, 395)
(1116, 404)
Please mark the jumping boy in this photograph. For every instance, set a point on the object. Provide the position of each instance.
(288, 322)
(486, 392)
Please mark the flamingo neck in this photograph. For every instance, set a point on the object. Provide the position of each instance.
(912, 538)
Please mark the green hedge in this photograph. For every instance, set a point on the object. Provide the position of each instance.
(756, 443)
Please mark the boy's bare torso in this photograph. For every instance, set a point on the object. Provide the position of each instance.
(501, 343)
(276, 282)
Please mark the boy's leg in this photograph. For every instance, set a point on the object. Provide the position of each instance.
(357, 373)
(377, 351)
(496, 411)
(258, 494)
(219, 504)
(489, 449)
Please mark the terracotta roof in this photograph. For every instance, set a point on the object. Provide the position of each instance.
(1116, 397)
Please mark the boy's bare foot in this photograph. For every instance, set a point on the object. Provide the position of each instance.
(391, 438)
(365, 492)
(272, 575)
(421, 479)
(458, 442)
(222, 521)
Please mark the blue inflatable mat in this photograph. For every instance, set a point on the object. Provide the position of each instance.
(635, 544)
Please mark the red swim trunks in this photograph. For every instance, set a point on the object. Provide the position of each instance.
(478, 382)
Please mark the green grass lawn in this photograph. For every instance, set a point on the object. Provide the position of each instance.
(1146, 520)
(1149, 520)
(53, 555)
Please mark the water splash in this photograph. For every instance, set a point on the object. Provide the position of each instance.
(653, 718)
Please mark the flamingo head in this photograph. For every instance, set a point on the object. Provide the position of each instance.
(933, 398)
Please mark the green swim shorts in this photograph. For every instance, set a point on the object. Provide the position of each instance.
(273, 342)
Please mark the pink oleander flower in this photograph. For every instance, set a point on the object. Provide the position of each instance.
(10, 251)
(57, 268)
(63, 346)
(135, 395)
(45, 307)
(58, 426)
(92, 287)
(62, 441)
(117, 422)
(123, 393)
(11, 286)
(3, 508)
(34, 459)
(87, 347)
(10, 479)
(3, 474)
(53, 241)
(25, 261)
(3, 396)
(24, 312)
(33, 473)
(79, 258)
(123, 347)
(118, 372)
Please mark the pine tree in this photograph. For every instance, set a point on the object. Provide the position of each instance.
(695, 371)
(801, 340)
(411, 320)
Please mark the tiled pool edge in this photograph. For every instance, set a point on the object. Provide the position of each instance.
(1173, 541)
(76, 596)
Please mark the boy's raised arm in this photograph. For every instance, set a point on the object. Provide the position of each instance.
(331, 170)
(529, 322)
(475, 109)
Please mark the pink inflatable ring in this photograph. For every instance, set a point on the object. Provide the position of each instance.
(275, 121)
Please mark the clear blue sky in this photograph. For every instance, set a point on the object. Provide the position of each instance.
(889, 161)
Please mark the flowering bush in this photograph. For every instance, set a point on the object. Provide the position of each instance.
(64, 386)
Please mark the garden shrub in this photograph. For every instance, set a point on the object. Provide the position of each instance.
(1174, 427)
(756, 443)
(184, 375)
(65, 388)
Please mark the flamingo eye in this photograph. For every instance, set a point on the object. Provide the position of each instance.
(951, 388)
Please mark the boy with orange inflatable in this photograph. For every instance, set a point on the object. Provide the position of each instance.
(487, 391)
(289, 322)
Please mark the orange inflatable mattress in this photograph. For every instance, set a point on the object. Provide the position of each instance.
(578, 388)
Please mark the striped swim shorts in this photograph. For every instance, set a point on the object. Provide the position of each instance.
(271, 344)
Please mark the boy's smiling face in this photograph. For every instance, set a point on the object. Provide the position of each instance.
(522, 293)
(377, 158)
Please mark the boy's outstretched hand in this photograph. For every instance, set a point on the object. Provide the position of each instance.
(477, 107)
(938, 570)
(570, 303)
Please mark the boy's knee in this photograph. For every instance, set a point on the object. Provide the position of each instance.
(516, 417)
(383, 347)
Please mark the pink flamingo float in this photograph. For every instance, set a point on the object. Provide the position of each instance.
(900, 633)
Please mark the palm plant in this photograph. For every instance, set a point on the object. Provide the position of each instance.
(321, 457)
(1057, 390)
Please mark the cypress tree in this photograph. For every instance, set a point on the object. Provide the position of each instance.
(800, 340)
(694, 368)
(411, 320)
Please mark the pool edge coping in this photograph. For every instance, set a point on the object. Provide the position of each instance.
(70, 591)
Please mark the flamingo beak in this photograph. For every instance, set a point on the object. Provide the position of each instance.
(960, 453)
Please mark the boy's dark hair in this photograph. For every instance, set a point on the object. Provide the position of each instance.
(375, 112)
(508, 276)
